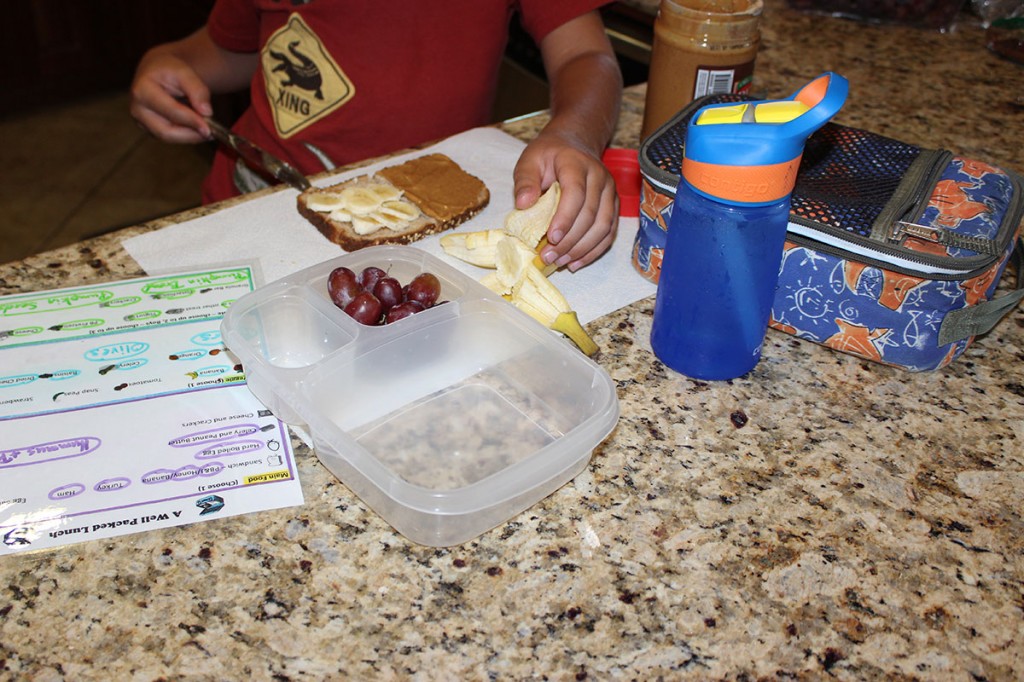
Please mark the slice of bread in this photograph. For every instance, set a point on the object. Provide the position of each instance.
(396, 205)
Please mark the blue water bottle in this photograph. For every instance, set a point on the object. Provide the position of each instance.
(725, 239)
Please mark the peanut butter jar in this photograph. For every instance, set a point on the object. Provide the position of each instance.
(701, 47)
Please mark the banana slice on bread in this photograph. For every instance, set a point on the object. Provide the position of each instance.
(325, 202)
(369, 207)
(397, 204)
(361, 200)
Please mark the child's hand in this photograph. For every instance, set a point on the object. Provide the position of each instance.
(169, 99)
(585, 223)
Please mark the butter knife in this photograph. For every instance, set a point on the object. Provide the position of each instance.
(258, 157)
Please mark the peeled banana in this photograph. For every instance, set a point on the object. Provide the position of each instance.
(531, 224)
(399, 209)
(365, 224)
(385, 191)
(341, 215)
(360, 200)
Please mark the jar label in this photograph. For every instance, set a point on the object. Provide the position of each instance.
(717, 79)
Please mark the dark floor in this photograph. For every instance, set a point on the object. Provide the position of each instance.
(80, 170)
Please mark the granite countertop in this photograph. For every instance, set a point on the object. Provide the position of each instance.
(820, 517)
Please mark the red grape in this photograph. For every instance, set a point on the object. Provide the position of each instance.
(365, 308)
(425, 289)
(342, 286)
(369, 277)
(402, 310)
(389, 292)
(373, 297)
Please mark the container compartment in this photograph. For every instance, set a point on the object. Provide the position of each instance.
(402, 263)
(354, 391)
(289, 332)
(455, 438)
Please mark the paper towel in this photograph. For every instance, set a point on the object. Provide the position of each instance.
(269, 233)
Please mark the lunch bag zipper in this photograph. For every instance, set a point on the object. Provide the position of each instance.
(911, 198)
(862, 251)
(900, 218)
(878, 249)
(922, 178)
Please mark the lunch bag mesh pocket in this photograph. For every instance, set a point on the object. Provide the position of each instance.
(846, 178)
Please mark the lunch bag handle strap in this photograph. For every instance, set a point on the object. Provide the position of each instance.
(979, 319)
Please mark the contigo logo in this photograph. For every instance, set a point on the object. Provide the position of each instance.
(716, 184)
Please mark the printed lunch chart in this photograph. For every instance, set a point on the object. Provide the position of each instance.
(122, 411)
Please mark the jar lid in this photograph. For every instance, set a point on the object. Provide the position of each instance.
(736, 8)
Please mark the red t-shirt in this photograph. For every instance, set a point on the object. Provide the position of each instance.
(356, 79)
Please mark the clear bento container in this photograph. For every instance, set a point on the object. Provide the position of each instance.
(446, 423)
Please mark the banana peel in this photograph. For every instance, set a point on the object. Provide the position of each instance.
(512, 257)
(520, 275)
(477, 248)
(491, 281)
(539, 263)
(536, 296)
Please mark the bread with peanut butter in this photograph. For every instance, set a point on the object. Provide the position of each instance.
(397, 204)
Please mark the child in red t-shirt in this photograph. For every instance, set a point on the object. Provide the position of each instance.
(333, 83)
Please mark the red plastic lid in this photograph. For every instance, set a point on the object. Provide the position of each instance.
(624, 165)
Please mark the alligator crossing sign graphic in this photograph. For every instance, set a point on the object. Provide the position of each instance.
(303, 82)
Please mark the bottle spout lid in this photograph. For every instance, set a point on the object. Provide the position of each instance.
(749, 153)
